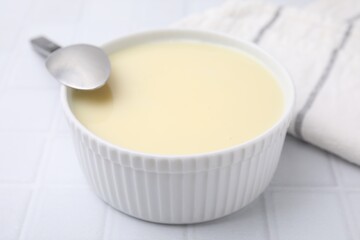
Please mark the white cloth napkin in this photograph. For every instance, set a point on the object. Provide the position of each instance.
(320, 46)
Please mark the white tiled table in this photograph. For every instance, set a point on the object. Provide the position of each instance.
(43, 194)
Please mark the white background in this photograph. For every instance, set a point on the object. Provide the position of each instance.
(43, 194)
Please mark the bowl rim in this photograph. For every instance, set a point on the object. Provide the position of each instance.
(287, 112)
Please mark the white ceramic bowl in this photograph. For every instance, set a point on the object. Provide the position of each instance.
(185, 188)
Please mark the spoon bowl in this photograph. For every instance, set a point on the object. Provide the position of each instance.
(79, 66)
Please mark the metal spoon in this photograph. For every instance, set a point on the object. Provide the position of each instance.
(79, 66)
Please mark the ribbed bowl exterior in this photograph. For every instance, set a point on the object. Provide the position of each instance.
(179, 190)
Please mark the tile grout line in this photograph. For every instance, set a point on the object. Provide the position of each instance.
(340, 190)
(49, 134)
(12, 53)
(108, 219)
(39, 175)
(270, 218)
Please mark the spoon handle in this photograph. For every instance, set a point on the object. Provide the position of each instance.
(44, 46)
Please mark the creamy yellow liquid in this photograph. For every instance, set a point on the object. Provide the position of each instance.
(181, 97)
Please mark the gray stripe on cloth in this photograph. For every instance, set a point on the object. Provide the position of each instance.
(268, 25)
(299, 119)
(354, 18)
